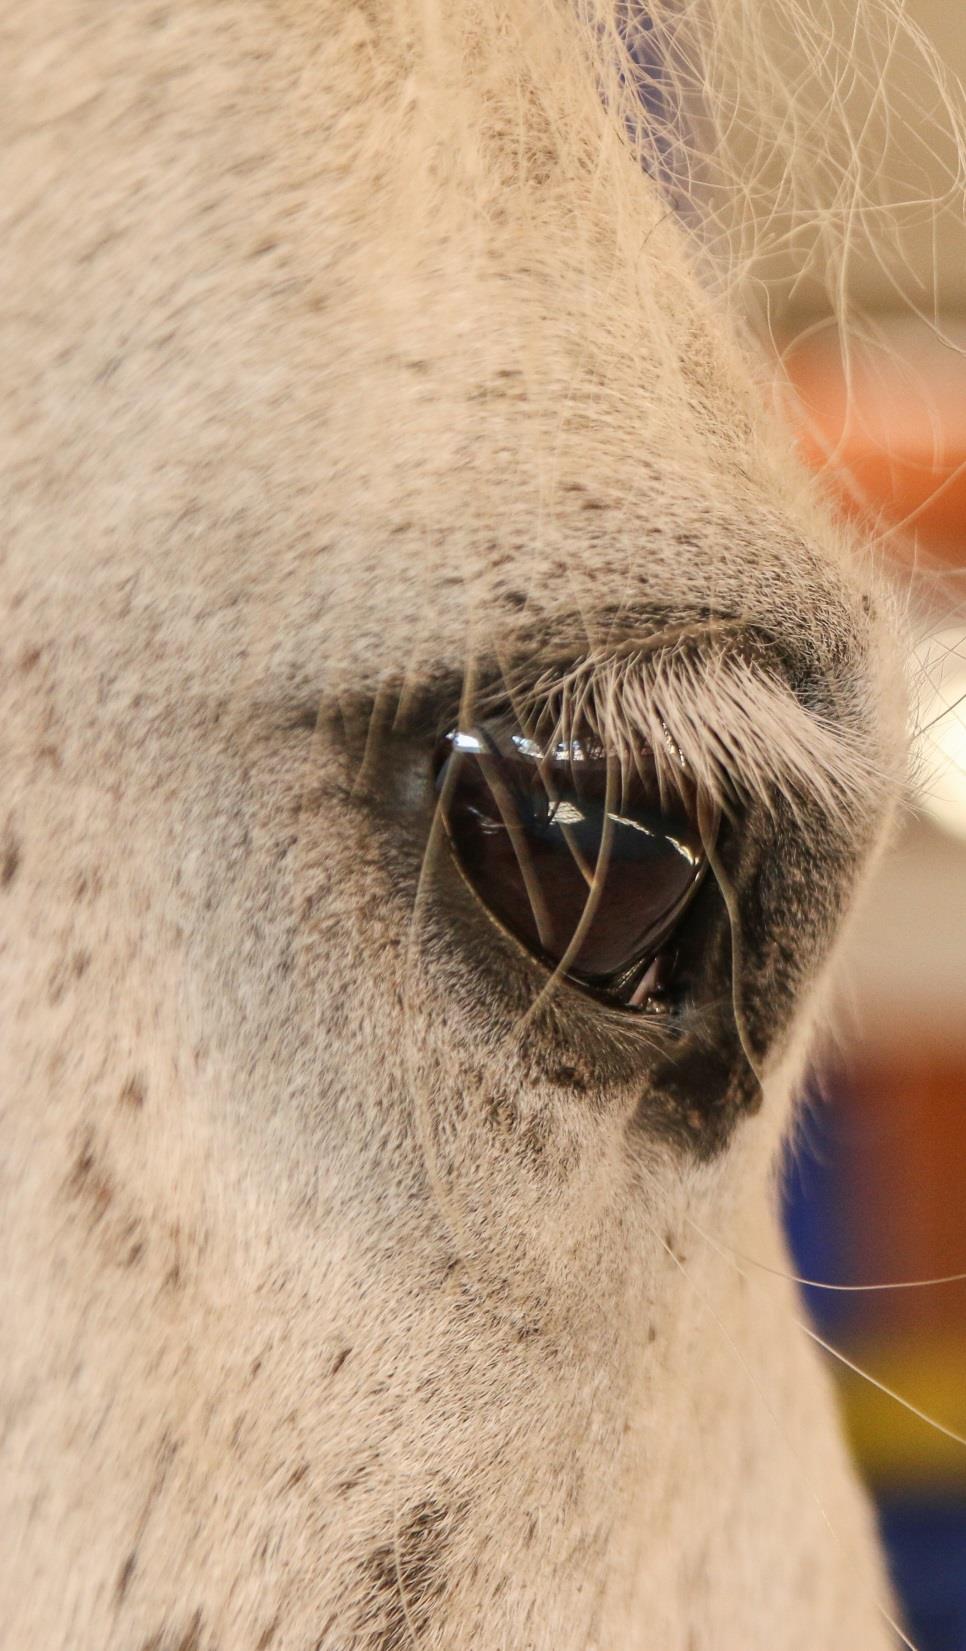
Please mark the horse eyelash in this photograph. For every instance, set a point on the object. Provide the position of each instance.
(719, 722)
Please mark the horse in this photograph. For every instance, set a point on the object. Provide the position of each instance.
(446, 733)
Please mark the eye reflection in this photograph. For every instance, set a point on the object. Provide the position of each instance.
(590, 868)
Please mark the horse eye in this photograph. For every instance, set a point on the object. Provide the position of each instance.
(590, 868)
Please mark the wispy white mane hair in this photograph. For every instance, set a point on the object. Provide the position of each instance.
(385, 377)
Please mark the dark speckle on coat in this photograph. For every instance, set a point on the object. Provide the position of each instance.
(91, 1189)
(133, 1092)
(189, 1638)
(9, 860)
(124, 1576)
(89, 1181)
(403, 1579)
(63, 975)
(296, 1476)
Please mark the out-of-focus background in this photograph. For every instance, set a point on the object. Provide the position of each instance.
(878, 1189)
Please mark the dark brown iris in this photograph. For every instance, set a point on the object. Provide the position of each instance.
(590, 867)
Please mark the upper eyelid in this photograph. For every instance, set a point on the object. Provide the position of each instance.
(434, 689)
(436, 702)
(805, 704)
(433, 700)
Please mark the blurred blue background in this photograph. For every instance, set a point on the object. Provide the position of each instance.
(861, 1209)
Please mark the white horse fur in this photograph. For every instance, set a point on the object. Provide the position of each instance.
(366, 1289)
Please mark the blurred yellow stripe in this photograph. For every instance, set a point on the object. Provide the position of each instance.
(894, 1447)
